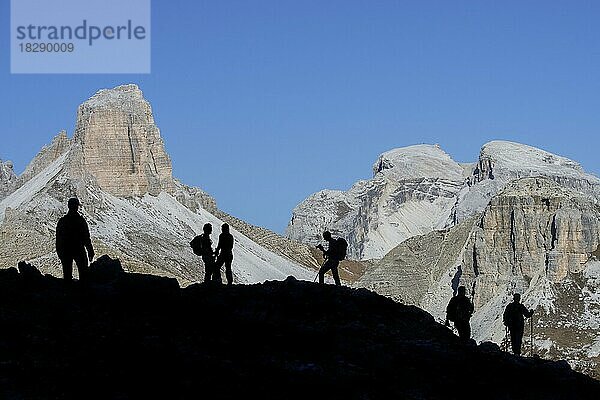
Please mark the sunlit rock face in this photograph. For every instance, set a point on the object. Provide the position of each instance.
(501, 162)
(119, 144)
(419, 189)
(533, 228)
(412, 192)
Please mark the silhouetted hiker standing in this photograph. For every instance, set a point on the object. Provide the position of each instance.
(208, 256)
(72, 241)
(224, 253)
(336, 251)
(514, 319)
(202, 246)
(459, 310)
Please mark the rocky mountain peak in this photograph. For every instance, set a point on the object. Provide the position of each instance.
(518, 160)
(118, 144)
(117, 97)
(418, 161)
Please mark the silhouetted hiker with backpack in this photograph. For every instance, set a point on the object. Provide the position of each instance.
(514, 319)
(202, 246)
(336, 252)
(72, 241)
(459, 310)
(224, 253)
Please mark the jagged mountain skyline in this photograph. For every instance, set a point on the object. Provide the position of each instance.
(265, 204)
(9, 167)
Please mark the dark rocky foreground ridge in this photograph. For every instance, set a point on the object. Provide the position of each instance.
(140, 336)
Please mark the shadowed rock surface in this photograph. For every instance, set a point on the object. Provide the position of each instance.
(133, 335)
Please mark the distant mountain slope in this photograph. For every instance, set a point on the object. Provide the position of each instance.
(117, 165)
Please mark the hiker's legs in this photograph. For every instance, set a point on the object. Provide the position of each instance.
(334, 271)
(326, 267)
(228, 271)
(82, 266)
(67, 266)
(464, 330)
(516, 338)
(216, 276)
(208, 265)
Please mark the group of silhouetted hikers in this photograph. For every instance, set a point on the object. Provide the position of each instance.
(460, 309)
(214, 260)
(73, 244)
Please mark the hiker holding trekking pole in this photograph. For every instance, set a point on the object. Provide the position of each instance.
(336, 252)
(514, 319)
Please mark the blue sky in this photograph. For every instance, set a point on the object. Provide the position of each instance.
(262, 103)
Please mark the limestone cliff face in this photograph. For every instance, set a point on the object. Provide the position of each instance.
(119, 145)
(418, 189)
(7, 178)
(412, 192)
(501, 162)
(535, 227)
(535, 237)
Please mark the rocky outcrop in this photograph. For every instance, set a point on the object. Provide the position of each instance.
(412, 192)
(194, 198)
(502, 162)
(7, 178)
(119, 145)
(535, 227)
(59, 146)
(423, 270)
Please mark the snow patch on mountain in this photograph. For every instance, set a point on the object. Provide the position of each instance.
(33, 186)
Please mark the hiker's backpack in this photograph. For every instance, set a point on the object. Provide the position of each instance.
(196, 245)
(341, 248)
(509, 316)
